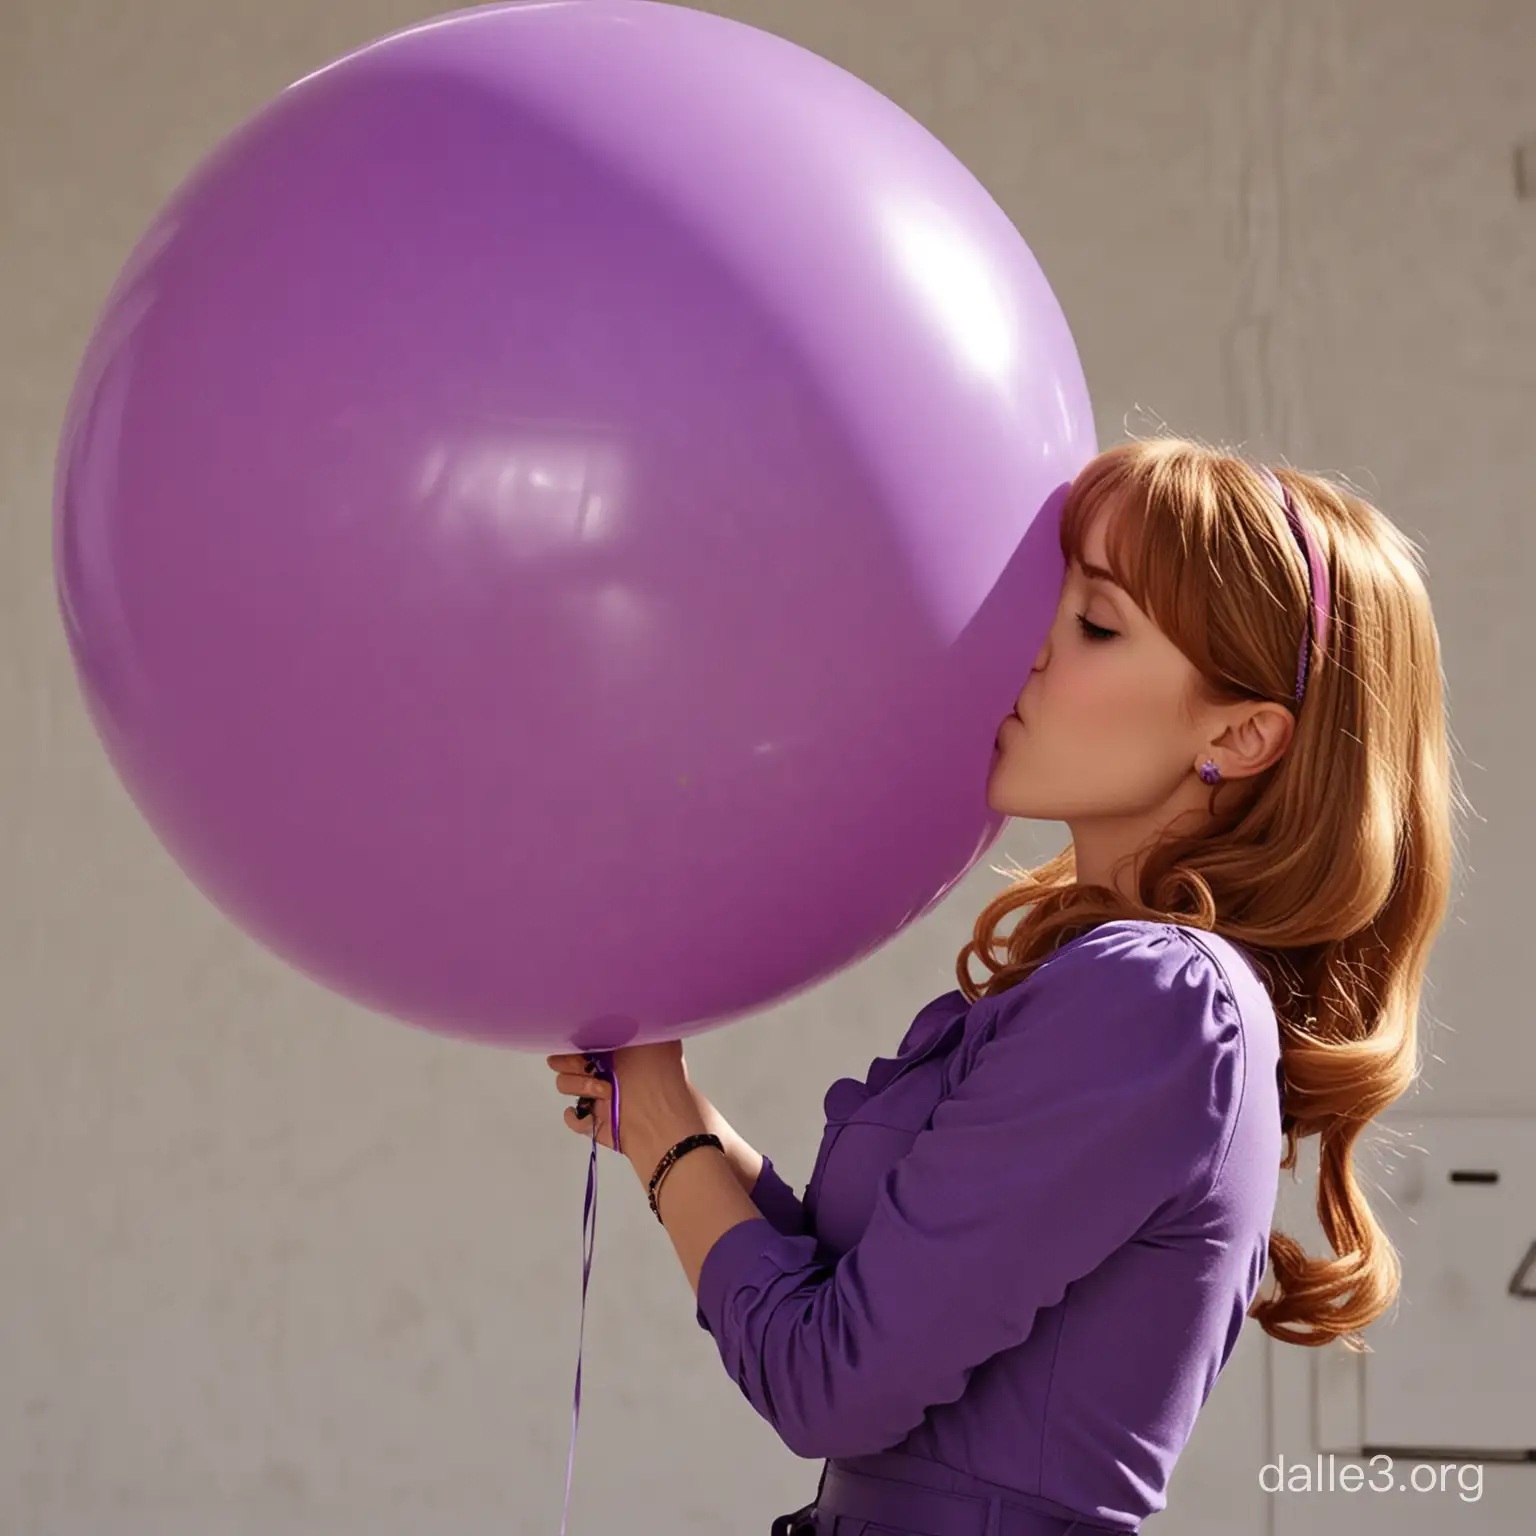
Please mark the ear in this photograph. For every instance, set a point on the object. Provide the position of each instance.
(1254, 736)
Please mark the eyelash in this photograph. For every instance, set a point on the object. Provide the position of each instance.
(1092, 631)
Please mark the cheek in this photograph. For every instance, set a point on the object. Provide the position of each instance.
(1106, 696)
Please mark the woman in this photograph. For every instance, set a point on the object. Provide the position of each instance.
(1032, 1236)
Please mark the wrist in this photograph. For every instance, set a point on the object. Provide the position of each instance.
(746, 1162)
(646, 1146)
(681, 1160)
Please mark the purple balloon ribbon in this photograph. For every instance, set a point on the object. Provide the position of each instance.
(604, 1070)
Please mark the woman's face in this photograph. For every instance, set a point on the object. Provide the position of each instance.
(1105, 734)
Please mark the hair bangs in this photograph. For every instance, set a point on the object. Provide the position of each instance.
(1162, 512)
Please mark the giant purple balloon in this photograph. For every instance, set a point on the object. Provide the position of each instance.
(553, 514)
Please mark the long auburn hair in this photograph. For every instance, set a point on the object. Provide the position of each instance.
(1333, 867)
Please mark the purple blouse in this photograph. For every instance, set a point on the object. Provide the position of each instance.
(1031, 1237)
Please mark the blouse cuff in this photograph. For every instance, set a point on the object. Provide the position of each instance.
(750, 1251)
(778, 1202)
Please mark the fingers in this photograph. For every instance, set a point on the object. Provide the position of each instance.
(595, 1127)
(590, 1116)
(583, 1087)
(571, 1063)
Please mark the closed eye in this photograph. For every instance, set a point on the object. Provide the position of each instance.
(1092, 631)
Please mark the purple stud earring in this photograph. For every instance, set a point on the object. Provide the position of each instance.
(1209, 772)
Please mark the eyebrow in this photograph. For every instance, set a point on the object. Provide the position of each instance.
(1098, 573)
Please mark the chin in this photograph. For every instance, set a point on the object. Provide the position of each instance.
(1012, 810)
(1002, 803)
(1019, 804)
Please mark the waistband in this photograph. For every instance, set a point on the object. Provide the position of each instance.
(906, 1493)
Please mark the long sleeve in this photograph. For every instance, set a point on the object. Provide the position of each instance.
(1102, 1098)
(780, 1206)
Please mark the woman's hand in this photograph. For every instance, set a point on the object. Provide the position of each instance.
(746, 1162)
(657, 1102)
(574, 1076)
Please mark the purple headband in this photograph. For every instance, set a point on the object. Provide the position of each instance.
(1316, 636)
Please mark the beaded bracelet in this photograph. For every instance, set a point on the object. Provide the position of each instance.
(687, 1144)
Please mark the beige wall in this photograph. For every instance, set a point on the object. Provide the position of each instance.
(269, 1265)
